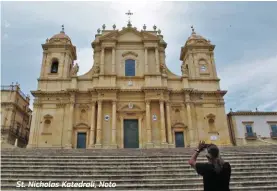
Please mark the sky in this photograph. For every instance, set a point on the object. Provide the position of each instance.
(245, 35)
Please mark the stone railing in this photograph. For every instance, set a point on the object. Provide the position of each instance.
(251, 135)
(10, 88)
(273, 135)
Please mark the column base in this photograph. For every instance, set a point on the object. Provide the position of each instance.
(90, 146)
(171, 146)
(69, 146)
(113, 146)
(98, 146)
(30, 146)
(149, 145)
(164, 145)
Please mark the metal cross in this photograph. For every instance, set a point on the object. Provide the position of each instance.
(62, 28)
(129, 13)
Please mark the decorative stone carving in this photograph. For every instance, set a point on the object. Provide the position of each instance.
(185, 69)
(130, 105)
(75, 69)
(163, 68)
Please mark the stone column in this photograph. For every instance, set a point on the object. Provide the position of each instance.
(157, 60)
(146, 60)
(168, 119)
(114, 145)
(113, 60)
(99, 126)
(190, 128)
(70, 125)
(92, 125)
(149, 143)
(163, 137)
(102, 60)
(31, 142)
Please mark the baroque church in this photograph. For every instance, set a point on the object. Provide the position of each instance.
(129, 98)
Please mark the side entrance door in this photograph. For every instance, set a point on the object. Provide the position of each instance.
(179, 139)
(131, 133)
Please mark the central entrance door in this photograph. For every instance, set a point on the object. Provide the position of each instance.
(81, 140)
(179, 139)
(131, 133)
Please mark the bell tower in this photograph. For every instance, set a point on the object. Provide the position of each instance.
(58, 56)
(197, 58)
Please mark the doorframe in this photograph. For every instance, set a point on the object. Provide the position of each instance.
(81, 128)
(184, 130)
(122, 129)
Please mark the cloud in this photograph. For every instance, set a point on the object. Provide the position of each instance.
(84, 60)
(6, 24)
(251, 83)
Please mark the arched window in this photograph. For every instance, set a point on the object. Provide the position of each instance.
(130, 69)
(54, 66)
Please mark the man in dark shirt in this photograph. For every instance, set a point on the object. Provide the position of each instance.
(216, 173)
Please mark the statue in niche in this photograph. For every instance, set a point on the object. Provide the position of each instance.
(163, 68)
(95, 69)
(75, 69)
(83, 115)
(184, 69)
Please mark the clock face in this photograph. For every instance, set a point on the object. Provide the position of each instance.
(203, 68)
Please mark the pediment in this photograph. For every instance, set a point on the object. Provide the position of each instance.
(81, 125)
(179, 125)
(130, 107)
(129, 34)
(47, 116)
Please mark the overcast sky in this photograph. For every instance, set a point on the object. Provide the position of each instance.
(245, 35)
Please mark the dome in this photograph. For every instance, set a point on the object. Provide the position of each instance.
(196, 39)
(61, 35)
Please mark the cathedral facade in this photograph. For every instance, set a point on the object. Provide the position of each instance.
(129, 98)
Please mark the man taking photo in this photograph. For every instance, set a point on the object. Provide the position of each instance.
(216, 173)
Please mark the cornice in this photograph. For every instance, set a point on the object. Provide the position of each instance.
(100, 89)
(39, 93)
(49, 79)
(253, 113)
(203, 79)
(149, 88)
(130, 90)
(15, 106)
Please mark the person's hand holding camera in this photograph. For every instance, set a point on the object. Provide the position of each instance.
(201, 146)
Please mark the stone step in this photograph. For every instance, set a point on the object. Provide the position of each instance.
(120, 172)
(141, 174)
(116, 161)
(251, 188)
(158, 185)
(122, 166)
(164, 178)
(126, 159)
(88, 155)
(131, 163)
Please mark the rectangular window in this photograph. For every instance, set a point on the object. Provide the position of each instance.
(130, 67)
(249, 129)
(273, 128)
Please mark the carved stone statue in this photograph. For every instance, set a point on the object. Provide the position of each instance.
(75, 69)
(96, 69)
(184, 69)
(163, 68)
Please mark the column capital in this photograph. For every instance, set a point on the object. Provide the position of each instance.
(99, 101)
(147, 102)
(93, 102)
(114, 102)
(168, 103)
(161, 101)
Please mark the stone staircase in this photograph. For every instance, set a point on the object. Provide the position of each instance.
(253, 169)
